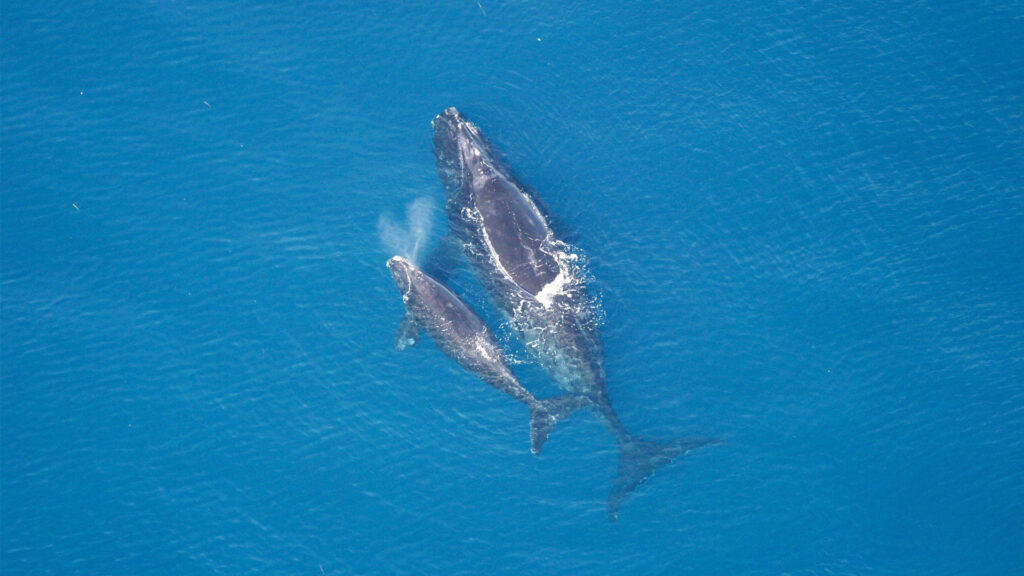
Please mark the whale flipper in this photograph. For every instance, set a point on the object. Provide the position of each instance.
(546, 413)
(408, 333)
(638, 460)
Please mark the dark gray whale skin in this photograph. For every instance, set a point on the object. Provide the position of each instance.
(534, 279)
(516, 256)
(465, 338)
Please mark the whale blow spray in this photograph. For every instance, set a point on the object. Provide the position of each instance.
(411, 238)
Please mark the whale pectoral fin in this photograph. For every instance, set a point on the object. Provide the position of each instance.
(639, 458)
(408, 333)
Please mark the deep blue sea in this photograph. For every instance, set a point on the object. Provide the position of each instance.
(804, 221)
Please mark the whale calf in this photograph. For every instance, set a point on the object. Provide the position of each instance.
(537, 281)
(461, 334)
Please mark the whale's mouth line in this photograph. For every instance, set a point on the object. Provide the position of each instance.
(407, 294)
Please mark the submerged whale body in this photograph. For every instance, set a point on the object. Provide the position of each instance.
(461, 334)
(536, 280)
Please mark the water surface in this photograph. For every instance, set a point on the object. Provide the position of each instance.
(804, 222)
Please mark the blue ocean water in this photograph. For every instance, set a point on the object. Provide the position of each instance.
(805, 222)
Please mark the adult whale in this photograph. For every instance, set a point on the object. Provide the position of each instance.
(465, 338)
(537, 281)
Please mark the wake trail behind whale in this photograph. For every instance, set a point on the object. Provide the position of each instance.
(409, 239)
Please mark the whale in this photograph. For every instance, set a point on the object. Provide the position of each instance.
(432, 307)
(539, 283)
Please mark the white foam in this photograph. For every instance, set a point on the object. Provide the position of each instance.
(547, 294)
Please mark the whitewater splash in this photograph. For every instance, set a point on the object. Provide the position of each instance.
(409, 239)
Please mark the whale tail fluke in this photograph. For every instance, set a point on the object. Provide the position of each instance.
(546, 413)
(639, 458)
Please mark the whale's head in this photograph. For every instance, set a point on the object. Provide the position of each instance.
(402, 270)
(459, 146)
